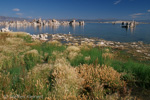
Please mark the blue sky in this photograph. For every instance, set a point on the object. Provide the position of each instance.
(82, 9)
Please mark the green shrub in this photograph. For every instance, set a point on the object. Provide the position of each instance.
(48, 49)
(31, 58)
(141, 72)
(95, 57)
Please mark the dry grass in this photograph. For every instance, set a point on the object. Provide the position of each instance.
(84, 43)
(73, 49)
(84, 47)
(72, 52)
(97, 78)
(34, 83)
(57, 54)
(11, 44)
(91, 84)
(72, 55)
(14, 41)
(9, 53)
(3, 38)
(32, 52)
(116, 96)
(14, 49)
(87, 58)
(111, 77)
(108, 55)
(55, 42)
(56, 79)
(91, 44)
(31, 58)
(3, 58)
(40, 68)
(64, 78)
(36, 42)
(107, 50)
(14, 34)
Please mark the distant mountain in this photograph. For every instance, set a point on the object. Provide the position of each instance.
(145, 21)
(89, 20)
(5, 18)
(101, 20)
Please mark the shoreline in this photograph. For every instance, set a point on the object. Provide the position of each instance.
(137, 49)
(125, 37)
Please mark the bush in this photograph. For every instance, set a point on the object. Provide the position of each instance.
(31, 58)
(64, 79)
(99, 80)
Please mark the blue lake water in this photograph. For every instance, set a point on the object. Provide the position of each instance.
(104, 31)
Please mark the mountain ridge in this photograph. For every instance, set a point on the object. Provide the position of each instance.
(7, 18)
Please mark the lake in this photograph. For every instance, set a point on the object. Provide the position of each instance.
(101, 30)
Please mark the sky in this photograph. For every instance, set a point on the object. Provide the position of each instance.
(79, 9)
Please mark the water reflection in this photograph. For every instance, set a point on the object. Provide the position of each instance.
(82, 28)
(73, 28)
(39, 28)
(44, 27)
(104, 31)
(132, 30)
(35, 27)
(25, 27)
(55, 27)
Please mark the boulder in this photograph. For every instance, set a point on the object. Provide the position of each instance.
(6, 29)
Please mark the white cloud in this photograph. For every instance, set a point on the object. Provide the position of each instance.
(137, 15)
(20, 14)
(148, 10)
(29, 17)
(116, 2)
(16, 9)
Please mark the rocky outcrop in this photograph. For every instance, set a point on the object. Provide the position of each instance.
(41, 22)
(55, 22)
(129, 24)
(40, 37)
(6, 29)
(73, 23)
(65, 23)
(138, 49)
(81, 22)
